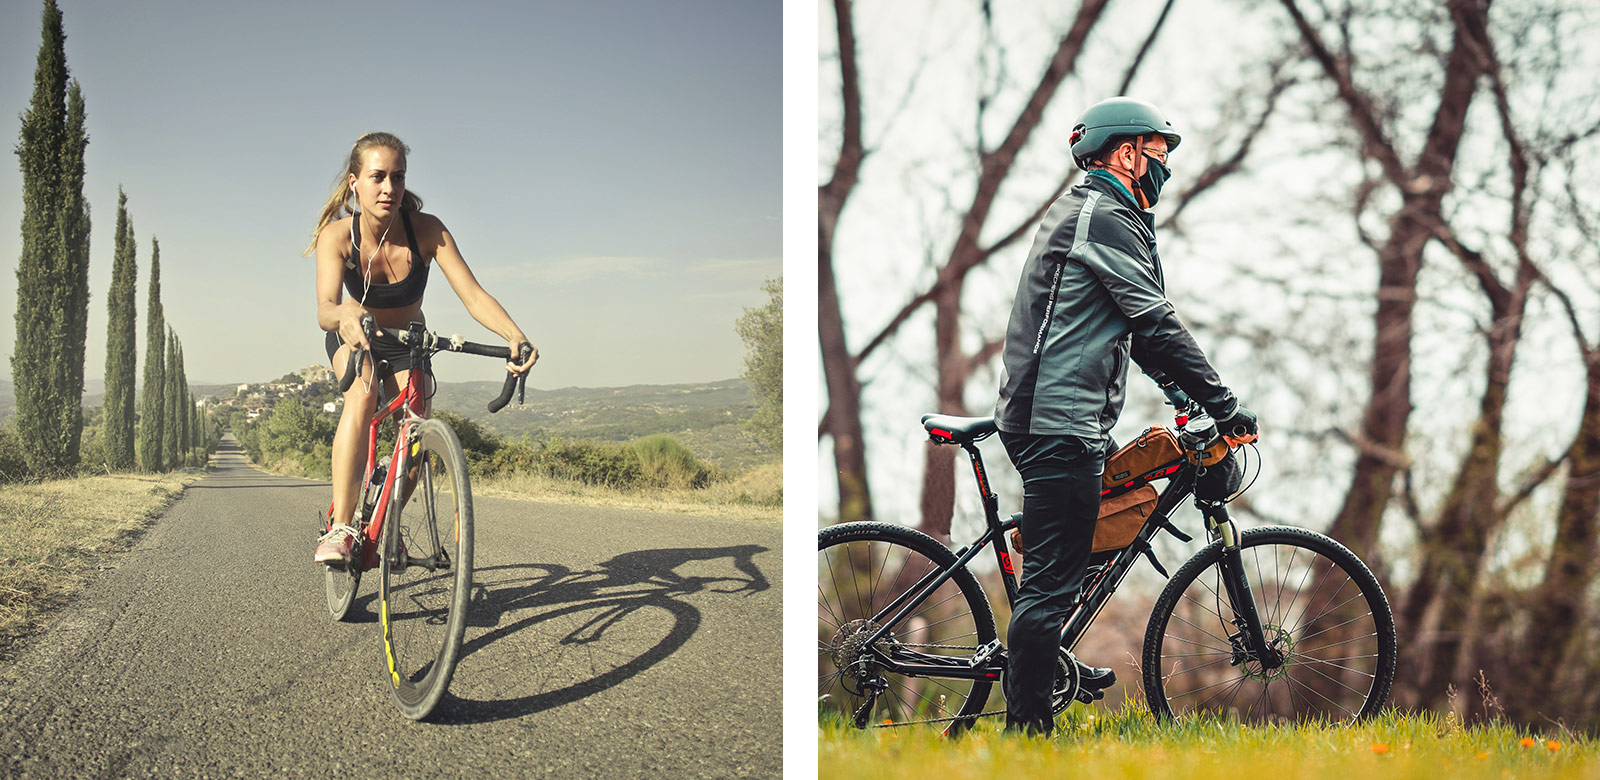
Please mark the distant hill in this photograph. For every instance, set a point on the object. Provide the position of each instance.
(93, 391)
(704, 417)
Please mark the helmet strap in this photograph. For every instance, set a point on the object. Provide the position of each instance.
(1138, 191)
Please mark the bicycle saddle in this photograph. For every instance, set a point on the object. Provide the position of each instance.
(943, 428)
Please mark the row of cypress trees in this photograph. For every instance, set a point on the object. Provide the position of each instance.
(47, 363)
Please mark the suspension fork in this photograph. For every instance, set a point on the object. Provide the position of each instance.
(1237, 583)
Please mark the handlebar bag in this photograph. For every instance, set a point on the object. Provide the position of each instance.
(1155, 449)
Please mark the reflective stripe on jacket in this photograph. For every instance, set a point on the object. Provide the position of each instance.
(1091, 288)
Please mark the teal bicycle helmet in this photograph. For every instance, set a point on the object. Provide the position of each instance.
(1113, 118)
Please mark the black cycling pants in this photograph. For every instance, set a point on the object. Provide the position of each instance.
(1061, 498)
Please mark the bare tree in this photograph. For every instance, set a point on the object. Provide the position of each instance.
(843, 418)
(1422, 185)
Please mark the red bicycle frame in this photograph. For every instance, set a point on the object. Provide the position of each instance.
(411, 396)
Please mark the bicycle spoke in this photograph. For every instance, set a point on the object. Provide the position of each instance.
(1343, 642)
(1301, 584)
(1340, 666)
(1331, 628)
(1201, 630)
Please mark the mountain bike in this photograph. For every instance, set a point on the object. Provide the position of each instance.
(420, 545)
(1266, 625)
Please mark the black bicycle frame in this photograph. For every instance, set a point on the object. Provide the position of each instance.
(1101, 582)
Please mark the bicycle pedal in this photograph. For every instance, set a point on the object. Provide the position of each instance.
(1088, 697)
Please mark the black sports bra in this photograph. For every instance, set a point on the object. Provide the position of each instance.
(385, 295)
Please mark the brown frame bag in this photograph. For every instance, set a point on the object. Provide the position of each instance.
(1157, 447)
(1119, 521)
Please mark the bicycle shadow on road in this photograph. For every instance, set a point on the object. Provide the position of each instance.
(540, 636)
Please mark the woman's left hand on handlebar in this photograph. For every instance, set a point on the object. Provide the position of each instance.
(533, 357)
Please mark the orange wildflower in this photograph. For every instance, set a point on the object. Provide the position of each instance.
(1482, 756)
(1380, 748)
(1528, 742)
(1552, 745)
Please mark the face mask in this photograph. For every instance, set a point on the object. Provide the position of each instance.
(1155, 175)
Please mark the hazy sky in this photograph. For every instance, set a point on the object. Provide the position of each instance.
(611, 170)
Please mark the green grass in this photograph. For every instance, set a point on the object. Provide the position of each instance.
(1128, 743)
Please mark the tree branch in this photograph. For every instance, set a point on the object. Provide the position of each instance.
(1221, 169)
(1376, 144)
(1531, 482)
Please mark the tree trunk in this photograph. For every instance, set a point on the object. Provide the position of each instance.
(1453, 548)
(939, 467)
(843, 419)
(1556, 614)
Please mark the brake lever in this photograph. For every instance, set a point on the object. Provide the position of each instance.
(353, 368)
(522, 379)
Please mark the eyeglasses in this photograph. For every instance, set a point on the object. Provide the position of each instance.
(1159, 154)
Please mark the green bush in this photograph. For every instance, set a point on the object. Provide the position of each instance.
(479, 442)
(92, 450)
(13, 468)
(663, 462)
(594, 463)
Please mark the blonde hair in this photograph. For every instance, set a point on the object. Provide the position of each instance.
(338, 204)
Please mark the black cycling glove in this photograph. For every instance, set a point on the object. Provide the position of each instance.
(1239, 424)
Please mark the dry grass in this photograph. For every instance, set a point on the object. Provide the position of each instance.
(756, 495)
(55, 534)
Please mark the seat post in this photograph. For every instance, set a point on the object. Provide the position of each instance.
(991, 502)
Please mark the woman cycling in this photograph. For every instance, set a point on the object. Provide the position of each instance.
(380, 255)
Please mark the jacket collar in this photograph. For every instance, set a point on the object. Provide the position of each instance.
(1103, 182)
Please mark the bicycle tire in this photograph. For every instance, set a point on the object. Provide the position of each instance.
(853, 555)
(341, 585)
(1321, 609)
(425, 569)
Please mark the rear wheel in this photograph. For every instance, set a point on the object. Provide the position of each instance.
(861, 569)
(341, 585)
(1325, 621)
(425, 568)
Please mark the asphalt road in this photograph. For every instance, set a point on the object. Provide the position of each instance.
(602, 643)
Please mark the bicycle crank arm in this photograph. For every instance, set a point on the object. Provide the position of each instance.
(434, 562)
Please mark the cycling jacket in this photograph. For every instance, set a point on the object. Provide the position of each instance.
(1091, 297)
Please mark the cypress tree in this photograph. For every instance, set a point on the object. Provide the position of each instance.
(121, 349)
(169, 433)
(44, 273)
(184, 412)
(152, 404)
(74, 227)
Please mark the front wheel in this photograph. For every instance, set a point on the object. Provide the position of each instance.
(1324, 617)
(426, 568)
(863, 568)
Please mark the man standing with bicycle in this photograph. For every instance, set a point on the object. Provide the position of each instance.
(1092, 296)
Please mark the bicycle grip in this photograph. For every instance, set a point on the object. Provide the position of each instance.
(514, 382)
(1234, 442)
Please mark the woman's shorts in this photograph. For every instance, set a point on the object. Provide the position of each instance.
(397, 355)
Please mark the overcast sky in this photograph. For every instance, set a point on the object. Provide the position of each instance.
(609, 169)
